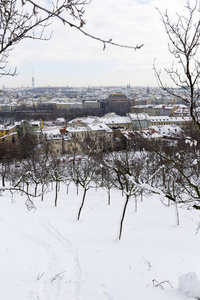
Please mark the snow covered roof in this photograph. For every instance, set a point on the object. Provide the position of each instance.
(159, 105)
(99, 126)
(7, 135)
(140, 116)
(76, 129)
(51, 132)
(169, 119)
(34, 123)
(167, 130)
(114, 119)
(5, 127)
(84, 120)
(61, 120)
(145, 133)
(160, 119)
(181, 110)
(31, 123)
(110, 118)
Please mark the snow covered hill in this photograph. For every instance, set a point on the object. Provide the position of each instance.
(47, 254)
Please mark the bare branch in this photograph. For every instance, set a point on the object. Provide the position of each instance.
(78, 13)
(18, 23)
(184, 42)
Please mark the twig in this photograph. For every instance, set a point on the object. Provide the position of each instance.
(40, 276)
(58, 276)
(149, 264)
(198, 228)
(160, 284)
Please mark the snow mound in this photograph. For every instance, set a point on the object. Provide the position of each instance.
(189, 285)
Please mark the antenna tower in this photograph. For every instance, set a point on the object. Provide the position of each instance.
(33, 81)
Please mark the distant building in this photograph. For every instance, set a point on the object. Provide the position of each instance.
(116, 102)
(91, 104)
(155, 110)
(117, 97)
(28, 127)
(116, 122)
(151, 110)
(8, 134)
(140, 121)
(181, 110)
(166, 120)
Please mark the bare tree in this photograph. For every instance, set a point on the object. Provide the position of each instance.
(184, 41)
(84, 172)
(56, 176)
(127, 170)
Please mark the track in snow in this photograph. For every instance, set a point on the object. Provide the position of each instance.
(60, 272)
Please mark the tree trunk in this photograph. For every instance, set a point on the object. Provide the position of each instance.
(77, 189)
(177, 214)
(136, 203)
(42, 197)
(36, 189)
(142, 196)
(12, 197)
(123, 215)
(83, 200)
(3, 180)
(108, 196)
(56, 195)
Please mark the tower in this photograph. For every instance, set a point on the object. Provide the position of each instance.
(33, 81)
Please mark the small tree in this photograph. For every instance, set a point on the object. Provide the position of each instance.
(126, 175)
(107, 181)
(56, 175)
(85, 172)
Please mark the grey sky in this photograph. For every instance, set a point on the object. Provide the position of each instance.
(72, 59)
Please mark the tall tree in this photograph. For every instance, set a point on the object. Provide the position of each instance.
(184, 41)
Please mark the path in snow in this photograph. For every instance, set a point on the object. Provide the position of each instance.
(59, 276)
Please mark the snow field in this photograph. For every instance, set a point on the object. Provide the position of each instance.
(47, 254)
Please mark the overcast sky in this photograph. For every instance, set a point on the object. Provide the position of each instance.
(71, 59)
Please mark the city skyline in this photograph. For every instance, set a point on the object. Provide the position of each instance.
(72, 59)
